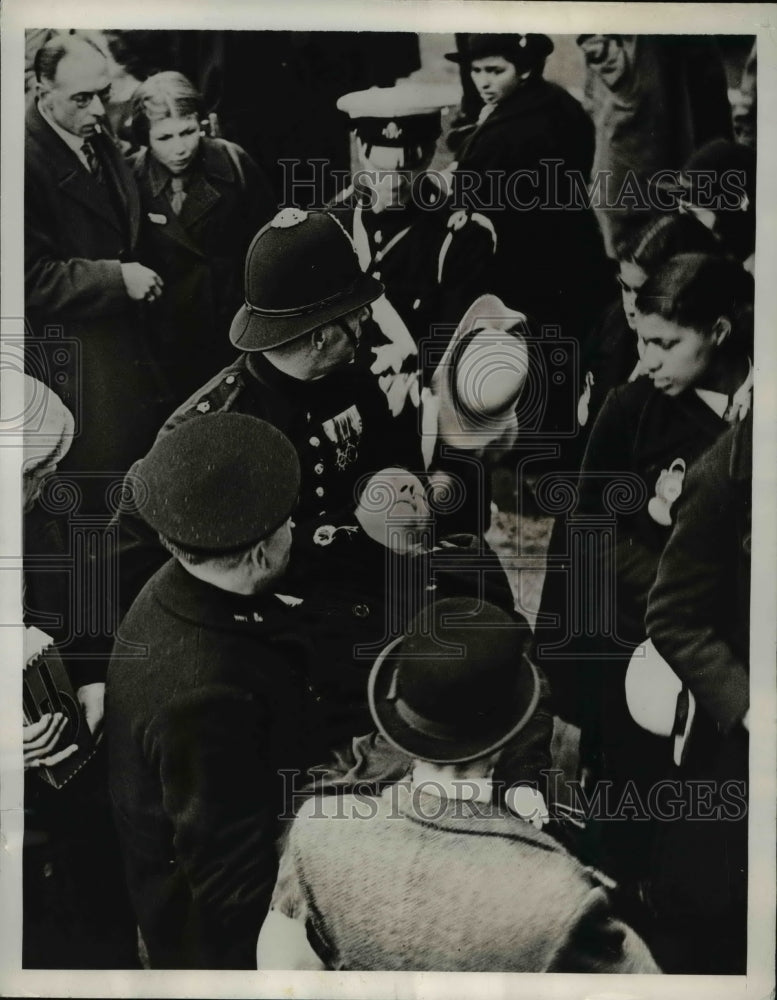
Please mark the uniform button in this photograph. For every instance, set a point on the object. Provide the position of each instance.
(315, 441)
(319, 491)
(319, 469)
(416, 304)
(361, 610)
(229, 379)
(307, 417)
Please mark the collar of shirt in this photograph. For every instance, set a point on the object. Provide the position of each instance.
(75, 142)
(426, 779)
(736, 406)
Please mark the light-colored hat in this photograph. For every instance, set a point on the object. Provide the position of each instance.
(413, 108)
(38, 414)
(480, 377)
(657, 699)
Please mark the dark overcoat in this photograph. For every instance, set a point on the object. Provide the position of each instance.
(86, 337)
(200, 255)
(204, 701)
(528, 165)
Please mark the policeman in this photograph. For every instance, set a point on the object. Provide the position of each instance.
(299, 334)
(434, 261)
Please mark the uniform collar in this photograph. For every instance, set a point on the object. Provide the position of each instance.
(427, 781)
(204, 604)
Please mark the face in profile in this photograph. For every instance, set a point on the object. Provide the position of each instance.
(675, 357)
(277, 551)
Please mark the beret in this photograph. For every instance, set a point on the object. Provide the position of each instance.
(217, 483)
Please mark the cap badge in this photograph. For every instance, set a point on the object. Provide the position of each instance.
(391, 131)
(522, 42)
(289, 217)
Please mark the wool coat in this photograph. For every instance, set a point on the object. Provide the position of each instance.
(85, 337)
(204, 703)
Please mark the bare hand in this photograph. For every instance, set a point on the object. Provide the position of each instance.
(92, 699)
(39, 739)
(141, 282)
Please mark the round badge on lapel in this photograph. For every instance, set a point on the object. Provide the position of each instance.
(669, 486)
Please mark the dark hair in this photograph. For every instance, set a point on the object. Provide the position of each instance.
(50, 55)
(164, 95)
(665, 237)
(694, 290)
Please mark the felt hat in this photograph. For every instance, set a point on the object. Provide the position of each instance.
(523, 51)
(405, 116)
(36, 411)
(217, 483)
(481, 375)
(301, 271)
(657, 699)
(457, 686)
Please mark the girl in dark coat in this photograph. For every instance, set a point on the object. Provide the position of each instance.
(694, 322)
(203, 201)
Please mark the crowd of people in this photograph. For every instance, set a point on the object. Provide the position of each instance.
(261, 438)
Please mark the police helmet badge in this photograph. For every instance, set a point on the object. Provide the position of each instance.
(289, 217)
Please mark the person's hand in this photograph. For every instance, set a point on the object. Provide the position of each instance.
(398, 389)
(141, 282)
(529, 804)
(39, 739)
(91, 697)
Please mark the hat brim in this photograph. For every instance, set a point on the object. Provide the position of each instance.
(456, 427)
(439, 751)
(253, 332)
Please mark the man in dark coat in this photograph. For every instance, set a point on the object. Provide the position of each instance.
(205, 694)
(84, 285)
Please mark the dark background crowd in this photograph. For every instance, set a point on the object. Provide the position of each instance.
(518, 285)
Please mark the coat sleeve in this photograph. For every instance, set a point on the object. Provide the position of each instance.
(607, 474)
(695, 588)
(598, 942)
(218, 794)
(61, 286)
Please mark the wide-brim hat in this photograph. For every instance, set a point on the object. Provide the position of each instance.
(217, 483)
(523, 51)
(301, 271)
(458, 691)
(402, 116)
(37, 413)
(481, 375)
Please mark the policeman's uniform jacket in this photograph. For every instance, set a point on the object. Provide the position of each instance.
(340, 425)
(197, 727)
(85, 336)
(433, 260)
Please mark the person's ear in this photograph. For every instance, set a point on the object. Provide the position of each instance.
(41, 88)
(318, 339)
(721, 329)
(259, 557)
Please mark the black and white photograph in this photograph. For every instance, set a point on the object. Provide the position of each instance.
(388, 457)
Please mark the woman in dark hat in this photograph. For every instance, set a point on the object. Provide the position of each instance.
(526, 165)
(203, 200)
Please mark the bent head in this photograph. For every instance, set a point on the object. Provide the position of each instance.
(166, 111)
(73, 84)
(694, 320)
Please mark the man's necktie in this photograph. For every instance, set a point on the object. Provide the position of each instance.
(92, 160)
(177, 194)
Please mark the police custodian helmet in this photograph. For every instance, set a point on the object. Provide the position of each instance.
(301, 271)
